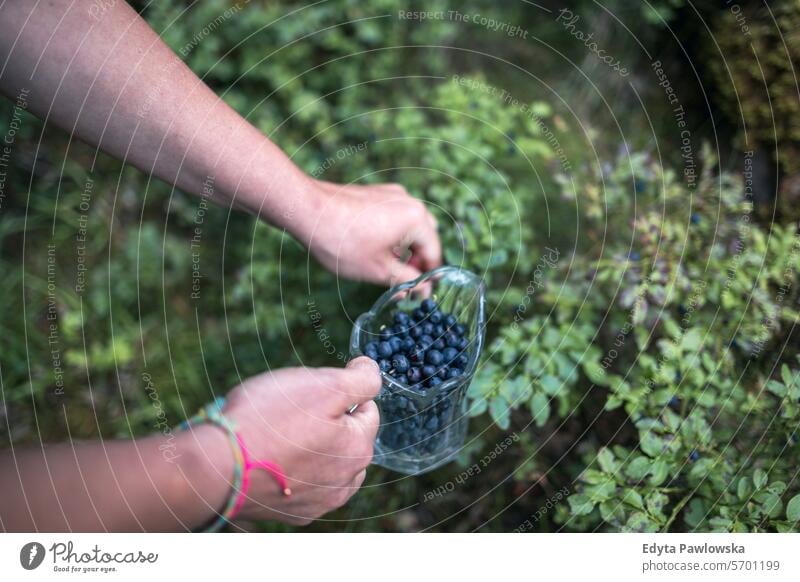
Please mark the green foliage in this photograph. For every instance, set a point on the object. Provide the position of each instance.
(711, 436)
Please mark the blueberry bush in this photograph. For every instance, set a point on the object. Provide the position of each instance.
(640, 370)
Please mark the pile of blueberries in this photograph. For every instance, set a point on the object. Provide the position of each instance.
(422, 349)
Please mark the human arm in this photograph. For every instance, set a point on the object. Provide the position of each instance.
(107, 78)
(295, 417)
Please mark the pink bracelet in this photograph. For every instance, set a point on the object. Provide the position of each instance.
(243, 463)
(248, 464)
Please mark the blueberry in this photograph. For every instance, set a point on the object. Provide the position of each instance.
(434, 357)
(416, 355)
(428, 305)
(433, 382)
(462, 360)
(427, 328)
(439, 345)
(450, 354)
(453, 373)
(385, 334)
(450, 320)
(432, 425)
(463, 344)
(425, 342)
(408, 345)
(428, 372)
(371, 350)
(438, 330)
(460, 329)
(693, 456)
(401, 318)
(414, 376)
(442, 372)
(418, 315)
(385, 349)
(416, 332)
(396, 343)
(452, 340)
(400, 363)
(435, 317)
(400, 329)
(384, 365)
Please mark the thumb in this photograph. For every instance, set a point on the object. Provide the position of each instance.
(363, 380)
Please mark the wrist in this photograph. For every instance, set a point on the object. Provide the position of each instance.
(206, 466)
(303, 215)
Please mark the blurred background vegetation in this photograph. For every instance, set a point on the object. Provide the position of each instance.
(649, 372)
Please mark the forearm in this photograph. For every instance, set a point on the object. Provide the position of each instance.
(112, 82)
(158, 483)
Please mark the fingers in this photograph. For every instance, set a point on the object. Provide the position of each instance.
(427, 246)
(400, 272)
(367, 418)
(358, 383)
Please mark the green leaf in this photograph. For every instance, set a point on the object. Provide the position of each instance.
(540, 408)
(500, 412)
(692, 340)
(787, 376)
(744, 488)
(595, 373)
(759, 478)
(550, 384)
(696, 513)
(612, 512)
(516, 390)
(478, 407)
(605, 459)
(580, 504)
(651, 445)
(701, 468)
(656, 502)
(659, 472)
(639, 522)
(601, 491)
(632, 497)
(777, 388)
(672, 328)
(773, 505)
(638, 468)
(793, 509)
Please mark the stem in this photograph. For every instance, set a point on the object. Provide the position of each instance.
(676, 511)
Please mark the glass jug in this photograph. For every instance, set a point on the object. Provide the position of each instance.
(424, 428)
